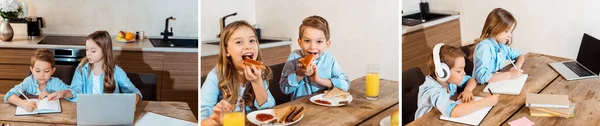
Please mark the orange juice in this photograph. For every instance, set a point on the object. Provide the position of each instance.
(372, 88)
(234, 119)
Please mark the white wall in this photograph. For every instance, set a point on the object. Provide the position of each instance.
(553, 27)
(362, 32)
(410, 5)
(213, 10)
(550, 27)
(82, 17)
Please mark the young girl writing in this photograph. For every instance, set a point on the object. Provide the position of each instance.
(491, 49)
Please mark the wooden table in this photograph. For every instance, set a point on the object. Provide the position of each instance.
(540, 76)
(357, 112)
(374, 121)
(68, 116)
(585, 93)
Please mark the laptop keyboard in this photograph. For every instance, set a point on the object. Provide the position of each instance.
(578, 69)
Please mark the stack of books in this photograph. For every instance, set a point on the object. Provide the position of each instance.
(549, 105)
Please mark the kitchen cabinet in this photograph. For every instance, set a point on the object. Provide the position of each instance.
(418, 45)
(14, 67)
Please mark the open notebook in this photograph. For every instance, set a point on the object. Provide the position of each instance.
(471, 119)
(152, 119)
(510, 87)
(43, 106)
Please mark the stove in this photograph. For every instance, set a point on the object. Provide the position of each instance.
(64, 40)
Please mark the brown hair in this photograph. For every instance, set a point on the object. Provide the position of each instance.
(498, 21)
(316, 22)
(447, 55)
(103, 39)
(226, 71)
(42, 55)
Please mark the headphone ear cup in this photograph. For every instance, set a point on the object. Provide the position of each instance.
(445, 72)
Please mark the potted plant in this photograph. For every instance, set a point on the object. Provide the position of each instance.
(9, 9)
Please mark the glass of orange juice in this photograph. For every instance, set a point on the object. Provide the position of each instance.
(372, 86)
(237, 117)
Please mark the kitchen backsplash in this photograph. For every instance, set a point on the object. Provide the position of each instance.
(81, 17)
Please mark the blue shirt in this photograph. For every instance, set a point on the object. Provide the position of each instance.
(211, 95)
(327, 67)
(488, 58)
(433, 95)
(83, 82)
(30, 86)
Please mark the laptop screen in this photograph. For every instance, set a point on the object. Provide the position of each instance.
(589, 53)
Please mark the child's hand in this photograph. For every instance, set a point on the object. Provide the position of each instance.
(253, 74)
(308, 71)
(467, 96)
(219, 109)
(28, 106)
(315, 76)
(492, 99)
(515, 73)
(42, 95)
(56, 95)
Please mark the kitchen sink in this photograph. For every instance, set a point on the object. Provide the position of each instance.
(415, 19)
(261, 41)
(175, 43)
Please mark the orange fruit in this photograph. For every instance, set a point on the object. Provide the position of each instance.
(129, 36)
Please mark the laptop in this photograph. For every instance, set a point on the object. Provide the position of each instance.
(587, 64)
(105, 109)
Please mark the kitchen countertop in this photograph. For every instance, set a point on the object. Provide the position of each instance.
(209, 50)
(138, 45)
(408, 29)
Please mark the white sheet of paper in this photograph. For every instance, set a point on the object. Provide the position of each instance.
(49, 106)
(510, 87)
(21, 111)
(44, 106)
(471, 119)
(153, 119)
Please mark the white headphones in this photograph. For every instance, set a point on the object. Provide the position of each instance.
(442, 71)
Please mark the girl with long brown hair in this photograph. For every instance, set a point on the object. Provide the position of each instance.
(232, 80)
(97, 72)
(492, 49)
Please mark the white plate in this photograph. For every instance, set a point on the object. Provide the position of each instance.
(334, 101)
(385, 121)
(124, 41)
(252, 117)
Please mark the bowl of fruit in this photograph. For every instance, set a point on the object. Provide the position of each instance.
(125, 37)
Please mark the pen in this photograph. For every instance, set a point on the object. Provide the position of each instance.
(490, 89)
(25, 96)
(511, 61)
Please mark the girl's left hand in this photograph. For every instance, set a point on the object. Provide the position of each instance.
(253, 74)
(467, 96)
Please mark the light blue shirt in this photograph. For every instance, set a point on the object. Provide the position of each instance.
(489, 57)
(433, 95)
(83, 82)
(30, 86)
(327, 67)
(211, 95)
